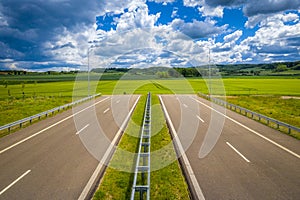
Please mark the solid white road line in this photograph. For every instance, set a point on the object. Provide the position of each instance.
(82, 129)
(187, 164)
(89, 184)
(105, 111)
(200, 118)
(18, 179)
(45, 129)
(251, 130)
(240, 154)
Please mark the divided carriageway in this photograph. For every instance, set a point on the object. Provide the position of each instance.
(48, 160)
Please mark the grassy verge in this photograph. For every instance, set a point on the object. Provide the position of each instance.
(166, 183)
(285, 110)
(13, 110)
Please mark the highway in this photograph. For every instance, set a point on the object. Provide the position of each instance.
(248, 161)
(55, 158)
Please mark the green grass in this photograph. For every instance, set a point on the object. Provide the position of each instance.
(290, 87)
(15, 105)
(285, 110)
(232, 86)
(166, 183)
(19, 101)
(12, 110)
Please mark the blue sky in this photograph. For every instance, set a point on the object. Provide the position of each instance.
(38, 35)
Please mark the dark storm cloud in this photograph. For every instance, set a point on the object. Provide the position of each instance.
(214, 3)
(255, 7)
(196, 29)
(69, 44)
(30, 23)
(269, 6)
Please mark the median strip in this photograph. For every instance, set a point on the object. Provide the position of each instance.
(166, 182)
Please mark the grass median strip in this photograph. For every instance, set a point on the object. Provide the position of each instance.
(167, 181)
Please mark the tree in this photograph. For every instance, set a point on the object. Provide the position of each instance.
(162, 74)
(281, 68)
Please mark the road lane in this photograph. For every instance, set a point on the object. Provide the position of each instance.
(272, 173)
(59, 162)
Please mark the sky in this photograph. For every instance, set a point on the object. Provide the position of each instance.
(64, 35)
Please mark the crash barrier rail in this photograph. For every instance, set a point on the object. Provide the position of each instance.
(253, 115)
(141, 181)
(45, 113)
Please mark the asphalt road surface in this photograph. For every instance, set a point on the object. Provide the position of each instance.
(248, 161)
(54, 158)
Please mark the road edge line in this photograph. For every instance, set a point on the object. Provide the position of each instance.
(251, 130)
(193, 184)
(52, 125)
(97, 175)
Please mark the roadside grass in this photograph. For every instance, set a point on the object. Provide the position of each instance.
(39, 97)
(276, 107)
(13, 110)
(167, 181)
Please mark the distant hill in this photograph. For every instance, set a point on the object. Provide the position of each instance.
(266, 69)
(271, 69)
(282, 68)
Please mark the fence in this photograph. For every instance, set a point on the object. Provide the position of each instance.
(142, 168)
(45, 113)
(253, 115)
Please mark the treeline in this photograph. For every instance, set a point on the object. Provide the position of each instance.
(23, 72)
(164, 72)
(257, 69)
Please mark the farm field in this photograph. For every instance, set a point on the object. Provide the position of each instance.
(263, 95)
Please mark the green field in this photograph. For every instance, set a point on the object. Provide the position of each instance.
(22, 99)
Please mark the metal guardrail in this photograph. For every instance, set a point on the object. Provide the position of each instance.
(45, 113)
(251, 114)
(142, 168)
